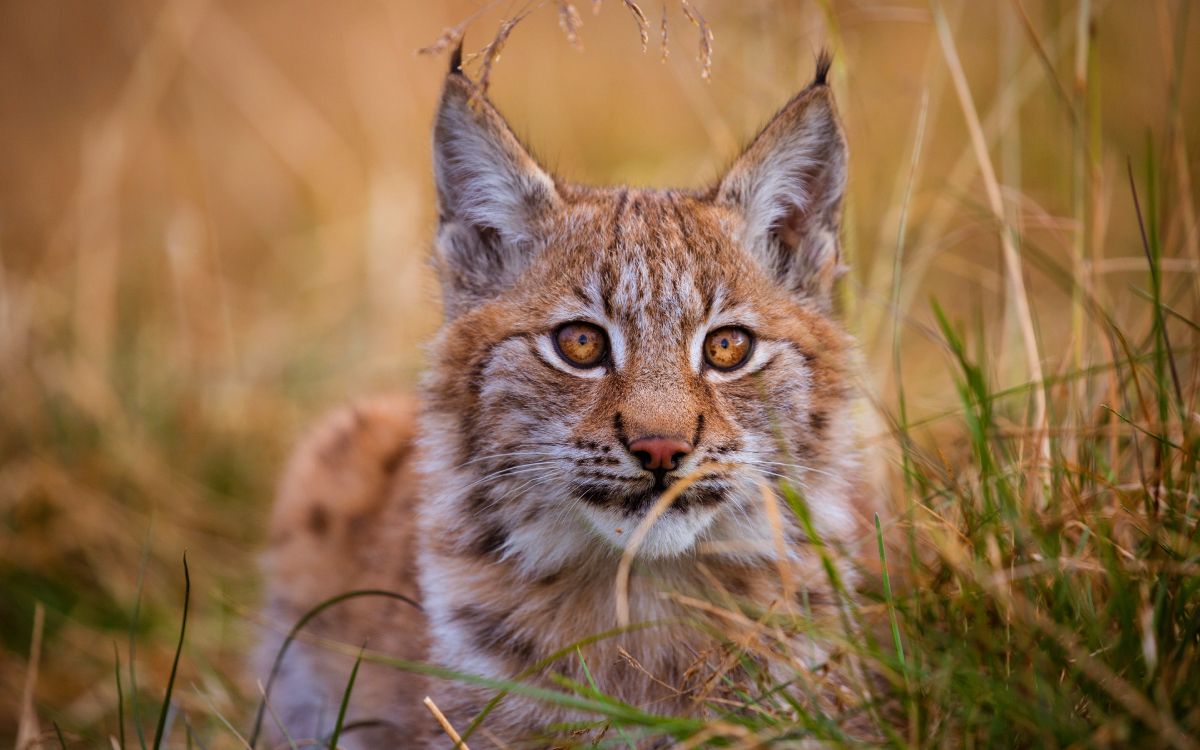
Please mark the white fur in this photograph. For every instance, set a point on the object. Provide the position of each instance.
(671, 535)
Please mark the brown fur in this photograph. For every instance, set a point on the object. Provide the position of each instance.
(521, 491)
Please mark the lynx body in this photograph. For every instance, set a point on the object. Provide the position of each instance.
(599, 345)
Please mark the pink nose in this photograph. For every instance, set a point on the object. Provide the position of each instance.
(659, 453)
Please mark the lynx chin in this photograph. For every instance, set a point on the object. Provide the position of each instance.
(600, 345)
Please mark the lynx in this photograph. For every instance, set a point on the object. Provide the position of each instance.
(600, 346)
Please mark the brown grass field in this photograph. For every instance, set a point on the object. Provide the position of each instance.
(214, 224)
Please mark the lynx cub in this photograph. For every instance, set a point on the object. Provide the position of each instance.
(599, 345)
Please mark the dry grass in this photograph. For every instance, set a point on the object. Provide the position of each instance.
(213, 222)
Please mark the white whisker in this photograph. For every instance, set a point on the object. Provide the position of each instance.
(511, 471)
(494, 456)
(799, 467)
(520, 489)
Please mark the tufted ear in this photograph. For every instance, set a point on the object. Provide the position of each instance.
(788, 187)
(492, 195)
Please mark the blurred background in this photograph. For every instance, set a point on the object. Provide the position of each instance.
(215, 218)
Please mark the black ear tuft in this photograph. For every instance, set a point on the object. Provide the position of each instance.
(824, 63)
(456, 59)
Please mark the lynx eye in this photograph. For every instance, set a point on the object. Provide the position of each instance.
(581, 344)
(728, 348)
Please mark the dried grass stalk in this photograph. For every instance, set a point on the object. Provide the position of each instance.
(643, 530)
(491, 53)
(1011, 254)
(706, 37)
(447, 727)
(663, 35)
(450, 38)
(642, 24)
(569, 21)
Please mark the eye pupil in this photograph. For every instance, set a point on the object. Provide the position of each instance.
(724, 343)
(583, 339)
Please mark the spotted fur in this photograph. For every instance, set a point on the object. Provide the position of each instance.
(510, 523)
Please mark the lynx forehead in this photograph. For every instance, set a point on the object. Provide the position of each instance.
(600, 345)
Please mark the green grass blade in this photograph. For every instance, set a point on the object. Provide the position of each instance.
(120, 699)
(166, 702)
(887, 594)
(341, 717)
(1153, 252)
(542, 664)
(591, 681)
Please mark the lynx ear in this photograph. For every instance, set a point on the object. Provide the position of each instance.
(788, 187)
(491, 195)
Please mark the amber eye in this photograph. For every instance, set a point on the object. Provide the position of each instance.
(728, 348)
(581, 344)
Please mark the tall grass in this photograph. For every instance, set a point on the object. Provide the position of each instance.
(206, 238)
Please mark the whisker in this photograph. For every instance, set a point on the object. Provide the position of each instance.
(800, 467)
(509, 471)
(761, 469)
(512, 492)
(493, 456)
(520, 489)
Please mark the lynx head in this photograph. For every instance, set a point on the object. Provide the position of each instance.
(603, 343)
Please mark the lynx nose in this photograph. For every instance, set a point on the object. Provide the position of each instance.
(660, 454)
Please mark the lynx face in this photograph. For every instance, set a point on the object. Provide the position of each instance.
(602, 344)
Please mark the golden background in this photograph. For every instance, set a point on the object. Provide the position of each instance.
(215, 218)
